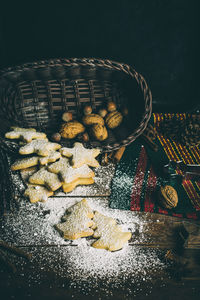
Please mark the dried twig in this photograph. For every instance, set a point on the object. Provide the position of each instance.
(110, 155)
(104, 159)
(118, 154)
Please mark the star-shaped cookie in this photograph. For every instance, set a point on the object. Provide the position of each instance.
(68, 187)
(41, 147)
(69, 174)
(26, 134)
(28, 162)
(44, 177)
(80, 155)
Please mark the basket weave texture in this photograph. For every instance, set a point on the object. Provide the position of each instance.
(36, 94)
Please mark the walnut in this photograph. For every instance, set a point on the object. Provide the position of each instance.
(113, 119)
(168, 197)
(99, 132)
(71, 129)
(93, 119)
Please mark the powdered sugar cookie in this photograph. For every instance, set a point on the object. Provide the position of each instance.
(37, 193)
(101, 223)
(83, 206)
(77, 224)
(35, 160)
(113, 239)
(68, 187)
(41, 147)
(50, 158)
(15, 128)
(80, 155)
(44, 177)
(26, 173)
(24, 163)
(69, 174)
(111, 236)
(26, 134)
(61, 165)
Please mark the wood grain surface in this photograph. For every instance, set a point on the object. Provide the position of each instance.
(179, 279)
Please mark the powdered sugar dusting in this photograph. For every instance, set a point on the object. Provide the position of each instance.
(82, 268)
(83, 265)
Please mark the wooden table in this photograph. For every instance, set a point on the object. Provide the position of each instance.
(179, 280)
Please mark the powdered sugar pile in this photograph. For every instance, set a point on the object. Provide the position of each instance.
(34, 224)
(82, 267)
(85, 269)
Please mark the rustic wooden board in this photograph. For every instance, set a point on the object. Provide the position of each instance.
(162, 233)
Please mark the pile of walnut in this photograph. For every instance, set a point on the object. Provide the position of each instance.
(93, 125)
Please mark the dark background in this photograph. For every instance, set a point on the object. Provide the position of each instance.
(158, 37)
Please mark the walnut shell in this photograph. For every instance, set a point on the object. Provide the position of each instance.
(168, 197)
(71, 129)
(114, 119)
(93, 119)
(99, 132)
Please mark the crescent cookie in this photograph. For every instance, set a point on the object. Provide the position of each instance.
(26, 134)
(80, 155)
(41, 147)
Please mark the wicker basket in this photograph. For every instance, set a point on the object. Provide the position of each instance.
(36, 94)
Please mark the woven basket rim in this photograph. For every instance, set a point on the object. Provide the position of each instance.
(51, 62)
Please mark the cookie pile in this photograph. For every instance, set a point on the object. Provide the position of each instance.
(45, 169)
(81, 221)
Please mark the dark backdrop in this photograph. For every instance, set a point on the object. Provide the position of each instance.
(158, 37)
